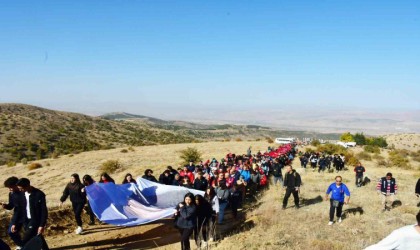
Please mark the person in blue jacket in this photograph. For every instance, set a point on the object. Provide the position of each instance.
(340, 195)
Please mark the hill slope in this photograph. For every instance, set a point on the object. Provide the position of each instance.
(31, 132)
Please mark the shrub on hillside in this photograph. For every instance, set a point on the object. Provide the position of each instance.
(269, 140)
(378, 157)
(124, 151)
(331, 149)
(24, 161)
(238, 139)
(131, 149)
(190, 154)
(364, 156)
(110, 166)
(351, 160)
(34, 165)
(384, 163)
(398, 159)
(315, 143)
(372, 149)
(11, 163)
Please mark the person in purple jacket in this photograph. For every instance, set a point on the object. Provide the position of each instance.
(340, 195)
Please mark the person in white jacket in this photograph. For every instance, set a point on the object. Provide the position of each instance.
(407, 238)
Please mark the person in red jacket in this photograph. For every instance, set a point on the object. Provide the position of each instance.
(187, 174)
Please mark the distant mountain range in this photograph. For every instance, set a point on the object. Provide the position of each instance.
(29, 132)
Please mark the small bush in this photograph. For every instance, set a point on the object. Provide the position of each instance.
(378, 157)
(398, 160)
(269, 140)
(24, 161)
(351, 160)
(226, 139)
(364, 156)
(131, 149)
(71, 155)
(190, 154)
(124, 151)
(315, 143)
(11, 163)
(111, 166)
(34, 165)
(238, 139)
(331, 149)
(372, 149)
(384, 163)
(55, 155)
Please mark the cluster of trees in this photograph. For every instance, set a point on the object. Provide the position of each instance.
(361, 139)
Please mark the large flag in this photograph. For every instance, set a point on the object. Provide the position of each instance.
(130, 204)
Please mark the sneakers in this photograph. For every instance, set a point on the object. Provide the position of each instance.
(18, 247)
(79, 230)
(339, 220)
(330, 223)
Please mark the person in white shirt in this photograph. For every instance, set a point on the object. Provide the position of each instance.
(407, 238)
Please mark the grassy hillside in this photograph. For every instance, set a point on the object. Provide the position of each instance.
(28, 132)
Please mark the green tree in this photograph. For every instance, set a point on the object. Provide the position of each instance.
(346, 137)
(360, 139)
(190, 154)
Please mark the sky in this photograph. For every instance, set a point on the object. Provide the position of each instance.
(165, 58)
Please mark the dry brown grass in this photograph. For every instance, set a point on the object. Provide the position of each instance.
(307, 228)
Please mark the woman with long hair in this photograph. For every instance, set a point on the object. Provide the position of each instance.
(211, 198)
(204, 214)
(75, 189)
(105, 178)
(129, 179)
(88, 180)
(186, 219)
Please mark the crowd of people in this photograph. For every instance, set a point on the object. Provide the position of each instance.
(226, 184)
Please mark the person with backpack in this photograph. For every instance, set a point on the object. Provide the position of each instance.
(292, 182)
(18, 204)
(340, 195)
(387, 187)
(75, 189)
(359, 170)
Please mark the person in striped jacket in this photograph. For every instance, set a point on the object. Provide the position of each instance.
(387, 187)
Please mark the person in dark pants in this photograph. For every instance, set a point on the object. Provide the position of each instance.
(88, 180)
(291, 183)
(340, 195)
(17, 203)
(204, 213)
(76, 191)
(186, 219)
(36, 211)
(359, 170)
(3, 245)
(235, 199)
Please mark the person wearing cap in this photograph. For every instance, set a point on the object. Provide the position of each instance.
(387, 187)
(36, 212)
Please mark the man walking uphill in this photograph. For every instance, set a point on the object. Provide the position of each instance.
(292, 183)
(337, 200)
(36, 211)
(387, 187)
(359, 170)
(17, 203)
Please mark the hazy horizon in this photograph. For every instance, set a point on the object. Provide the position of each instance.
(212, 60)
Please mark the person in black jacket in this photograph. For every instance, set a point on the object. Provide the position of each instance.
(186, 219)
(75, 190)
(129, 179)
(88, 180)
(17, 203)
(276, 171)
(148, 175)
(36, 216)
(204, 214)
(292, 183)
(200, 183)
(165, 177)
(417, 190)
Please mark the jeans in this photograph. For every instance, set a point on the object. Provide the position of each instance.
(359, 180)
(185, 237)
(222, 206)
(278, 179)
